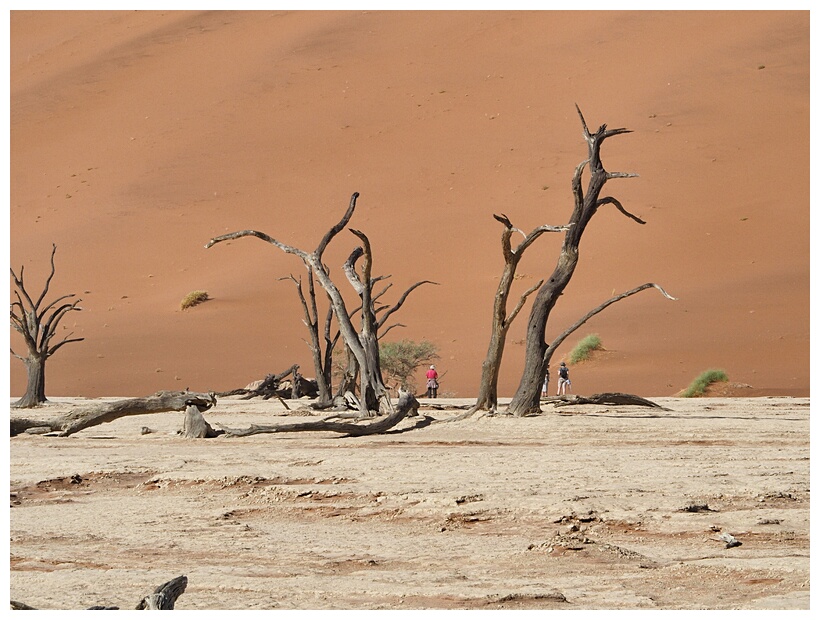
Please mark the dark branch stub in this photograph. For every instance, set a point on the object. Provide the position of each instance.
(166, 595)
(163, 597)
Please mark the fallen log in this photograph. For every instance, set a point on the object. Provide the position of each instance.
(82, 418)
(163, 597)
(607, 398)
(407, 404)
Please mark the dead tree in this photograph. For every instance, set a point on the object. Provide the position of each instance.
(488, 388)
(625, 399)
(363, 343)
(86, 417)
(37, 323)
(527, 396)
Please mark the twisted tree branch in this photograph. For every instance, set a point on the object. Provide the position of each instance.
(566, 333)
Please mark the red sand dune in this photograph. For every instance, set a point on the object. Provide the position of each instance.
(138, 136)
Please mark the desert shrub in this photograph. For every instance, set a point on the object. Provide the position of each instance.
(585, 346)
(194, 298)
(703, 381)
(399, 360)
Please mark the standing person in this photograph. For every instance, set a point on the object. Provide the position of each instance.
(563, 379)
(432, 382)
(545, 387)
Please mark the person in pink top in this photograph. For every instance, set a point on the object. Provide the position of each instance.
(432, 382)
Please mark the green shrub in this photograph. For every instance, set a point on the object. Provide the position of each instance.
(194, 298)
(584, 347)
(399, 360)
(703, 381)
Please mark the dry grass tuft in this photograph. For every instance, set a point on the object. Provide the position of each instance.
(194, 298)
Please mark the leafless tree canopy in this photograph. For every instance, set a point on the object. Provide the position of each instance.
(37, 321)
(362, 343)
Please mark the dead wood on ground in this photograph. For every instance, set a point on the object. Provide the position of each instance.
(607, 398)
(163, 597)
(86, 417)
(275, 386)
(407, 406)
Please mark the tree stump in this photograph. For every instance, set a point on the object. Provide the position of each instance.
(194, 425)
(166, 595)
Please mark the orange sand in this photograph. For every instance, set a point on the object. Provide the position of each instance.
(138, 136)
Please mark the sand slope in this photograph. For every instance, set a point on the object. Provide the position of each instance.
(138, 136)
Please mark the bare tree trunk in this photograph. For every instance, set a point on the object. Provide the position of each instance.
(607, 398)
(526, 398)
(373, 390)
(36, 383)
(311, 321)
(350, 374)
(269, 388)
(326, 369)
(295, 389)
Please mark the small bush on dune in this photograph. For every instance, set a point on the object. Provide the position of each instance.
(703, 381)
(194, 298)
(585, 346)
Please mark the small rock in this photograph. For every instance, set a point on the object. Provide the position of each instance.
(730, 540)
(697, 508)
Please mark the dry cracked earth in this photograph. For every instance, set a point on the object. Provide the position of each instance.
(582, 507)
